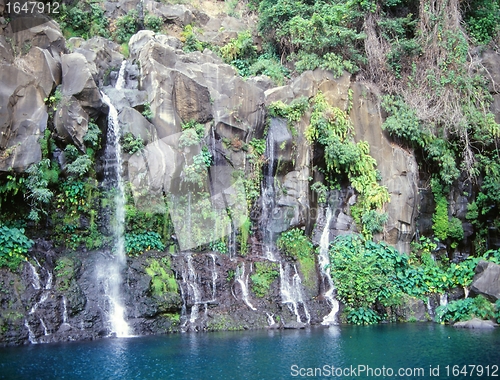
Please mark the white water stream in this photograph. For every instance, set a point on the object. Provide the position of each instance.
(324, 266)
(113, 278)
(242, 279)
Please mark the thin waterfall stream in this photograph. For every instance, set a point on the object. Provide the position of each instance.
(324, 266)
(113, 176)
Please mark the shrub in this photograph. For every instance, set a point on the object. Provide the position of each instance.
(162, 277)
(295, 244)
(153, 22)
(265, 274)
(465, 309)
(362, 316)
(136, 244)
(482, 18)
(80, 166)
(364, 272)
(126, 26)
(14, 245)
(131, 144)
(240, 47)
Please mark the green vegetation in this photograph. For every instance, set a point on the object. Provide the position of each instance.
(65, 272)
(331, 128)
(162, 276)
(295, 244)
(316, 34)
(131, 144)
(373, 278)
(264, 275)
(136, 244)
(466, 309)
(14, 245)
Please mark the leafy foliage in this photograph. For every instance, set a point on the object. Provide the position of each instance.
(331, 127)
(364, 272)
(131, 144)
(238, 48)
(465, 309)
(136, 244)
(295, 244)
(162, 276)
(126, 26)
(14, 245)
(483, 19)
(315, 34)
(86, 19)
(264, 275)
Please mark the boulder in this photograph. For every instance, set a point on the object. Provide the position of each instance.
(71, 122)
(102, 56)
(491, 62)
(6, 53)
(132, 121)
(177, 14)
(486, 281)
(23, 118)
(476, 323)
(47, 36)
(191, 100)
(77, 81)
(43, 67)
(397, 166)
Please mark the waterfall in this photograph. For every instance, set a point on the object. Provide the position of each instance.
(45, 331)
(268, 197)
(214, 278)
(113, 176)
(270, 319)
(31, 334)
(120, 81)
(241, 279)
(196, 294)
(443, 299)
(65, 311)
(291, 292)
(35, 281)
(40, 298)
(324, 266)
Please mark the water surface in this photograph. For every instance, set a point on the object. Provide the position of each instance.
(414, 348)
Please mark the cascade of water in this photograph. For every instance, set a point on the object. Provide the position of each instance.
(45, 331)
(65, 311)
(35, 280)
(324, 266)
(31, 334)
(48, 285)
(430, 311)
(232, 243)
(443, 299)
(297, 291)
(195, 290)
(120, 81)
(268, 198)
(270, 319)
(214, 277)
(113, 174)
(241, 279)
(291, 291)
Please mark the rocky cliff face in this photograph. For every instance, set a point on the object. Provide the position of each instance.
(48, 301)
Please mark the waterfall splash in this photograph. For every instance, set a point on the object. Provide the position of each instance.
(291, 292)
(324, 266)
(443, 299)
(113, 157)
(241, 279)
